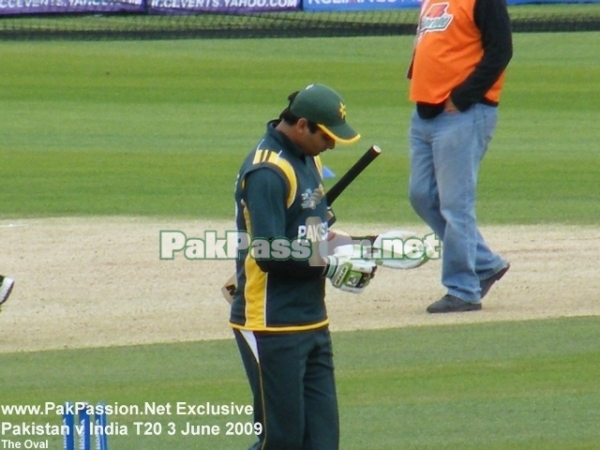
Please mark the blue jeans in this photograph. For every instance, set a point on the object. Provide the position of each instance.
(445, 154)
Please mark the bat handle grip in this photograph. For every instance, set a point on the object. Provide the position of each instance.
(330, 216)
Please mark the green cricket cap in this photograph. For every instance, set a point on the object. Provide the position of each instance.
(325, 107)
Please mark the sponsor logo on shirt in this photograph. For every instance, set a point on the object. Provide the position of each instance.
(435, 18)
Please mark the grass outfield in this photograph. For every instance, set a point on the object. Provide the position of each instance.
(517, 385)
(160, 128)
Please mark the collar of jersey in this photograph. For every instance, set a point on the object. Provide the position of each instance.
(284, 142)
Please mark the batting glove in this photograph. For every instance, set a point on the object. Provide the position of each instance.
(350, 275)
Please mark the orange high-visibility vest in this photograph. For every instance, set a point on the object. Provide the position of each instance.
(447, 49)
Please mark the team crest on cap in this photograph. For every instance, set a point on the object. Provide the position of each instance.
(342, 111)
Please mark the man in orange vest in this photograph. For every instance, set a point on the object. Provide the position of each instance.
(462, 49)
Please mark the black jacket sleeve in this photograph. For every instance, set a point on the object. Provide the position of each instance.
(491, 17)
(265, 195)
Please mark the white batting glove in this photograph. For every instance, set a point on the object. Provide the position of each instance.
(349, 275)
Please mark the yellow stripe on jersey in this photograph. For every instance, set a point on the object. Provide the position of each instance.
(289, 173)
(281, 329)
(259, 156)
(271, 157)
(255, 293)
(319, 165)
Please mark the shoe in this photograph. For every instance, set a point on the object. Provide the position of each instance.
(450, 303)
(6, 285)
(487, 284)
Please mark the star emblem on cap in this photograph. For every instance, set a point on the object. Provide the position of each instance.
(343, 111)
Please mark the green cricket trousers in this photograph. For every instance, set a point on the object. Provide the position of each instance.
(291, 375)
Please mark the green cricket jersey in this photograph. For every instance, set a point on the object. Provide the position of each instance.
(280, 207)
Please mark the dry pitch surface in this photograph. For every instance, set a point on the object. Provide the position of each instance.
(99, 282)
